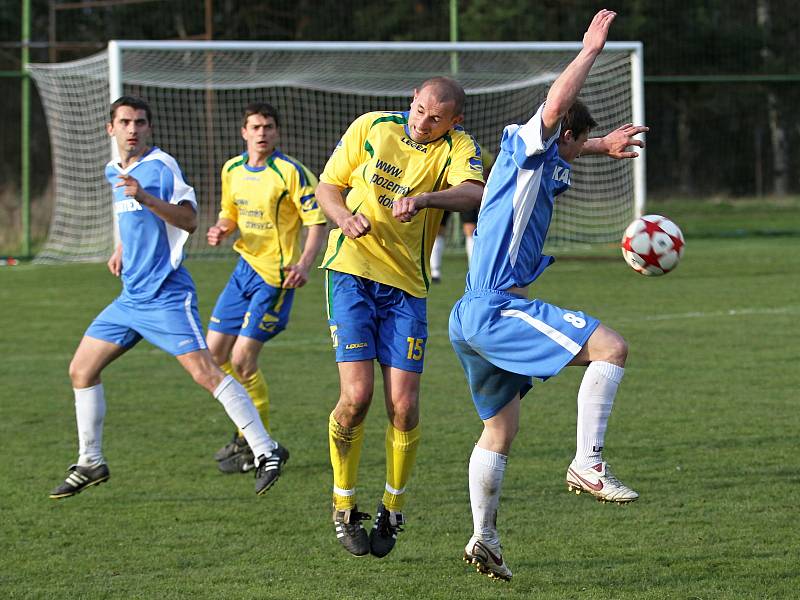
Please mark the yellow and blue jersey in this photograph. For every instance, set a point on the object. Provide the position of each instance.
(269, 204)
(380, 162)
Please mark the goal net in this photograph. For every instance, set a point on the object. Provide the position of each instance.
(198, 91)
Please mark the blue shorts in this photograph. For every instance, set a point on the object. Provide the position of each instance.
(169, 321)
(503, 340)
(251, 307)
(371, 320)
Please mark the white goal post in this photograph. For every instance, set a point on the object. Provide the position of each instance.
(198, 91)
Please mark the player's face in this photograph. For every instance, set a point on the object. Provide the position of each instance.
(569, 147)
(130, 129)
(429, 119)
(261, 135)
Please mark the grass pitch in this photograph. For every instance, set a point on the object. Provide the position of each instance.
(705, 428)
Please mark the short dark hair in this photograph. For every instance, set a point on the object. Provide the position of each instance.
(264, 109)
(447, 90)
(578, 119)
(132, 102)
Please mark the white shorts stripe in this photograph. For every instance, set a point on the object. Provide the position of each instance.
(198, 333)
(555, 335)
(393, 491)
(340, 492)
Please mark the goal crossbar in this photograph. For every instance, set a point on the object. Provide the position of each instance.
(199, 88)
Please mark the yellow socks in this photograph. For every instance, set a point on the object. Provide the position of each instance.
(401, 454)
(257, 389)
(256, 386)
(345, 447)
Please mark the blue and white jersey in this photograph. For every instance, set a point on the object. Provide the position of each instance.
(517, 208)
(152, 250)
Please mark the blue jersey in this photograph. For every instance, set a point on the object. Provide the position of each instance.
(152, 250)
(517, 208)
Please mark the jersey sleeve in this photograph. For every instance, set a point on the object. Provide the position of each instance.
(466, 161)
(530, 136)
(228, 209)
(349, 153)
(174, 188)
(302, 188)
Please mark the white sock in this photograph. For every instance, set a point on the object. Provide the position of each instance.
(243, 413)
(486, 470)
(468, 244)
(90, 410)
(436, 256)
(595, 399)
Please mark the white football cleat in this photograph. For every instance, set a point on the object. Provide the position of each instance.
(600, 482)
(487, 559)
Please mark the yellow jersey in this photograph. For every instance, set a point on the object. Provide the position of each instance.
(269, 204)
(379, 161)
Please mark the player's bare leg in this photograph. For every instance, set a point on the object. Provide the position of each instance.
(486, 471)
(605, 354)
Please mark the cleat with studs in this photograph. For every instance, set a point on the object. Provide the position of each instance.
(487, 559)
(600, 482)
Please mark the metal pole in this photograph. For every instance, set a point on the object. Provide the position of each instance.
(25, 122)
(637, 99)
(114, 92)
(454, 36)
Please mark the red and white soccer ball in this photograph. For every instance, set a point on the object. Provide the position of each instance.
(652, 245)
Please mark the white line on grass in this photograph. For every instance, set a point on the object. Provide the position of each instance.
(732, 312)
(324, 341)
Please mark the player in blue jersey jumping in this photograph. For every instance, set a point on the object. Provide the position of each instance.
(503, 339)
(157, 211)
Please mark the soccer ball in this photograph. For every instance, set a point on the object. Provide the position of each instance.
(652, 245)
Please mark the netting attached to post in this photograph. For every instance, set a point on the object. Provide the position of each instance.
(198, 91)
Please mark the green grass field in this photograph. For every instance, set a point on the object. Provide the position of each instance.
(705, 428)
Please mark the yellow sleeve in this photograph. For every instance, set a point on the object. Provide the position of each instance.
(466, 161)
(302, 190)
(348, 154)
(487, 158)
(228, 208)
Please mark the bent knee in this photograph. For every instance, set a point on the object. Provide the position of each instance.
(82, 376)
(353, 405)
(208, 378)
(618, 351)
(245, 366)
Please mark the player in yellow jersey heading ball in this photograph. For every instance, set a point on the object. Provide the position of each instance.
(402, 169)
(266, 196)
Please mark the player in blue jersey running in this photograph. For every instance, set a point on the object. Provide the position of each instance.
(157, 211)
(503, 339)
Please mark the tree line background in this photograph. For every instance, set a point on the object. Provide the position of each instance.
(721, 76)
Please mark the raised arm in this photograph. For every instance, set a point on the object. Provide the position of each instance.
(566, 87)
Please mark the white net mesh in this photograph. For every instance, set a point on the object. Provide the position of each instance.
(198, 95)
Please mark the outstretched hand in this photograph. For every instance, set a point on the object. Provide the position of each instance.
(618, 141)
(596, 35)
